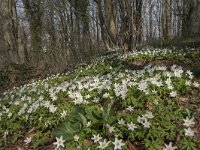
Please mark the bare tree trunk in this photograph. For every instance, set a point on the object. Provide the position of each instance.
(12, 49)
(150, 20)
(126, 30)
(102, 24)
(191, 21)
(138, 20)
(110, 21)
(34, 14)
(97, 28)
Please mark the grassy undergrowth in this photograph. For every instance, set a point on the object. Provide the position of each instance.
(117, 102)
(179, 42)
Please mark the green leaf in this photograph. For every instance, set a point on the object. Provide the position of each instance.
(94, 114)
(83, 119)
(109, 116)
(67, 130)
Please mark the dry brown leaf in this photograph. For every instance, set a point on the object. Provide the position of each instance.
(87, 142)
(149, 106)
(31, 132)
(130, 145)
(184, 99)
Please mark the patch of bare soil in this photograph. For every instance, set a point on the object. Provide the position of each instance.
(21, 144)
(15, 76)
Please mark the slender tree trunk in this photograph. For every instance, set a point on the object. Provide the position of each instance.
(34, 14)
(110, 21)
(138, 20)
(150, 20)
(102, 24)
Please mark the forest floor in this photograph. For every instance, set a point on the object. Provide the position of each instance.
(103, 84)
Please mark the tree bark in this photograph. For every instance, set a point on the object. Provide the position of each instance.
(34, 14)
(12, 49)
(191, 20)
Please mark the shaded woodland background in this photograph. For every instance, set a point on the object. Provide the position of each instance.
(52, 35)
